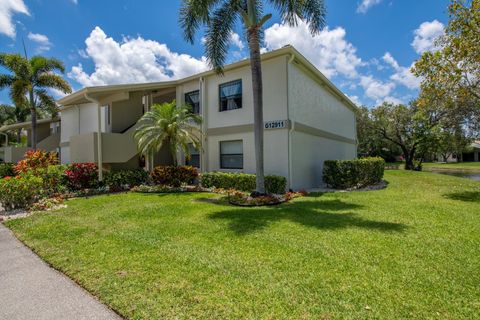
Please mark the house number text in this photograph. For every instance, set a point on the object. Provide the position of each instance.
(277, 124)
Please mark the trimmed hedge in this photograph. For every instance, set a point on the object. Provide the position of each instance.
(242, 181)
(358, 173)
(6, 170)
(174, 176)
(125, 179)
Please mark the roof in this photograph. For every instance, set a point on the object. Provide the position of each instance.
(26, 125)
(80, 97)
(476, 144)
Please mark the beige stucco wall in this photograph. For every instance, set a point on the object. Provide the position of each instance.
(127, 112)
(78, 120)
(13, 154)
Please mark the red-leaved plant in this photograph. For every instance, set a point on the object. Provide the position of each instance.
(34, 160)
(82, 176)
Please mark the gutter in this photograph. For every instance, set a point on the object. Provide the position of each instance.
(292, 128)
(99, 137)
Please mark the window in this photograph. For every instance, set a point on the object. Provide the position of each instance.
(194, 160)
(193, 100)
(230, 95)
(231, 154)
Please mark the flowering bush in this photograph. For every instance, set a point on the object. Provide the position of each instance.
(174, 176)
(21, 191)
(82, 176)
(35, 160)
(47, 204)
(54, 179)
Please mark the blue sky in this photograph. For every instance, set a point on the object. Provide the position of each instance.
(366, 49)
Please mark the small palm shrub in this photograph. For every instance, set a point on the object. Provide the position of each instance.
(357, 173)
(174, 176)
(82, 176)
(34, 160)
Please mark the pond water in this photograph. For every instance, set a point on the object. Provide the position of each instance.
(475, 176)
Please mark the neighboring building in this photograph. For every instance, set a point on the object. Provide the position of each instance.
(473, 153)
(307, 120)
(48, 138)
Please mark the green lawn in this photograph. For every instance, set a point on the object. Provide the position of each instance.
(456, 166)
(409, 251)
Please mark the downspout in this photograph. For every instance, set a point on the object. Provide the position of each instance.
(204, 154)
(99, 137)
(292, 128)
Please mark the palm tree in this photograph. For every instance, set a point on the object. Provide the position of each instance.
(220, 17)
(13, 114)
(167, 124)
(29, 82)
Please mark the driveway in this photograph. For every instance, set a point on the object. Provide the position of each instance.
(30, 289)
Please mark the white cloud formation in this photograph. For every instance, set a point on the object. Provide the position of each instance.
(133, 60)
(376, 89)
(365, 5)
(402, 75)
(43, 42)
(7, 9)
(235, 39)
(392, 100)
(328, 51)
(425, 36)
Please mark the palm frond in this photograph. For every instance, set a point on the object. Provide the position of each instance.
(311, 11)
(42, 65)
(51, 80)
(193, 14)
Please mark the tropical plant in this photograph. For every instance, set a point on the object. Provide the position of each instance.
(29, 81)
(14, 114)
(220, 17)
(167, 124)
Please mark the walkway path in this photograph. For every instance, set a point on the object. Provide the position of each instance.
(30, 289)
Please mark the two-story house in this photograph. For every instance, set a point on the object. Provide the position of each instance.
(307, 120)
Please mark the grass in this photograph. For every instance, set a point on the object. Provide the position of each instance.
(409, 251)
(454, 166)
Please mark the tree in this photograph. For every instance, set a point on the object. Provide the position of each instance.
(220, 17)
(29, 81)
(13, 114)
(453, 71)
(165, 124)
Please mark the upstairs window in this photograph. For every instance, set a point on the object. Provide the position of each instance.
(194, 160)
(230, 95)
(193, 100)
(231, 154)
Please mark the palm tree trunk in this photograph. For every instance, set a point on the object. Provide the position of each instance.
(33, 112)
(257, 87)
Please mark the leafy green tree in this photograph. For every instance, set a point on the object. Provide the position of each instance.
(29, 81)
(167, 124)
(220, 18)
(13, 114)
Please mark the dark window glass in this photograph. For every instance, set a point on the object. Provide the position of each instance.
(194, 160)
(230, 95)
(193, 100)
(231, 154)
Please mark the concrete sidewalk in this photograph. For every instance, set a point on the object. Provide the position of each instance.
(30, 289)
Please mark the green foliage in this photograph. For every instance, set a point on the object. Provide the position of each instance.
(6, 170)
(168, 125)
(54, 179)
(35, 160)
(344, 174)
(20, 192)
(82, 176)
(242, 182)
(174, 176)
(125, 179)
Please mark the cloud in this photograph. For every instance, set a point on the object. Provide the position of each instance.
(235, 39)
(402, 75)
(43, 42)
(365, 5)
(132, 60)
(425, 36)
(376, 89)
(328, 51)
(392, 100)
(74, 1)
(7, 9)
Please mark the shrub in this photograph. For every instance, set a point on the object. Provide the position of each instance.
(125, 179)
(82, 176)
(6, 170)
(343, 174)
(20, 192)
(54, 179)
(174, 176)
(242, 181)
(35, 160)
